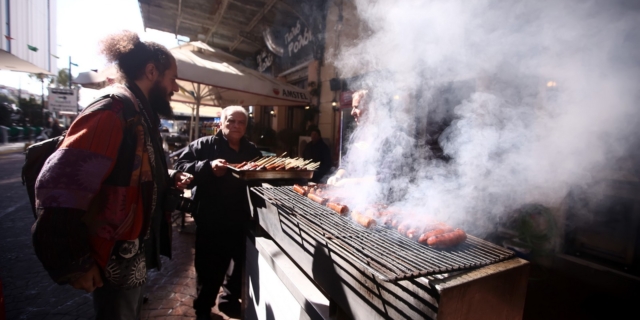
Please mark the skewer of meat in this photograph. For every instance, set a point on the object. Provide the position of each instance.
(450, 239)
(240, 165)
(365, 221)
(271, 166)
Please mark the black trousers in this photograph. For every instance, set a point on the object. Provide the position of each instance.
(216, 246)
(111, 302)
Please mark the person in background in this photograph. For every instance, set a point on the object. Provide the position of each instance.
(359, 105)
(223, 213)
(100, 197)
(56, 128)
(318, 151)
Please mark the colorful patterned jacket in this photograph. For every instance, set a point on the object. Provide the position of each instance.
(98, 188)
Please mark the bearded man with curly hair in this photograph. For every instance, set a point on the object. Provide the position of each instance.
(100, 197)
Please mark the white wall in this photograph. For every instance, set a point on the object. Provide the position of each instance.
(33, 22)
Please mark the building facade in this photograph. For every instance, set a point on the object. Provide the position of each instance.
(29, 31)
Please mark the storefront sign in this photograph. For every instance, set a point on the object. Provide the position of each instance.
(299, 43)
(291, 94)
(63, 100)
(264, 59)
(297, 39)
(294, 94)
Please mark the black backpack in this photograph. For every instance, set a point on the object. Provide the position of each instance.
(37, 154)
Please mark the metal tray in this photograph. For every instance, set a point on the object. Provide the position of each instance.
(271, 174)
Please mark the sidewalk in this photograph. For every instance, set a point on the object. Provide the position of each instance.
(30, 293)
(172, 290)
(12, 147)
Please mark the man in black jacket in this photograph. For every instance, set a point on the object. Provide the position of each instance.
(223, 210)
(318, 151)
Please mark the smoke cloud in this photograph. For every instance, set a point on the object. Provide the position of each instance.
(536, 96)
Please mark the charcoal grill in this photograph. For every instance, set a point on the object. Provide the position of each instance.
(381, 251)
(328, 267)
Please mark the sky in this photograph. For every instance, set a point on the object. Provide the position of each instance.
(81, 26)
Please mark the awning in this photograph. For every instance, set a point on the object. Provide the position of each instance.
(202, 47)
(96, 80)
(184, 110)
(208, 74)
(224, 84)
(10, 62)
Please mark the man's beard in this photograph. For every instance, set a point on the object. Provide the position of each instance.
(159, 100)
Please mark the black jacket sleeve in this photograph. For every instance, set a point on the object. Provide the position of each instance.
(194, 161)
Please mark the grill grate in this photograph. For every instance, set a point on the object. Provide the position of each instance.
(382, 251)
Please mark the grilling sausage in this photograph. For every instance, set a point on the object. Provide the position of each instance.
(403, 227)
(412, 233)
(447, 240)
(317, 199)
(365, 221)
(432, 233)
(299, 189)
(339, 208)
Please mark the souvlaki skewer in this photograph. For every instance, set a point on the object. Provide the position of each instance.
(277, 163)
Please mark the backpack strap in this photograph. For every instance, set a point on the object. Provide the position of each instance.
(129, 111)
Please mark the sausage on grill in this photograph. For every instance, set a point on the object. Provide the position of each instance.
(432, 233)
(412, 233)
(365, 221)
(447, 240)
(317, 199)
(299, 189)
(339, 208)
(403, 228)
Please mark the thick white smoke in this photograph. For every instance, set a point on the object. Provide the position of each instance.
(554, 101)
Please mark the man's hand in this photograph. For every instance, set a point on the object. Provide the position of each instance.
(333, 180)
(219, 167)
(182, 180)
(89, 281)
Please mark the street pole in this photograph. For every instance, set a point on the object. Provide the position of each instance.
(42, 97)
(42, 90)
(20, 93)
(76, 93)
(69, 72)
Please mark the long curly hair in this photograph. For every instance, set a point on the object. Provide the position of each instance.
(132, 55)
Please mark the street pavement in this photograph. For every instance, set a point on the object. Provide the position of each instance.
(13, 147)
(31, 294)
